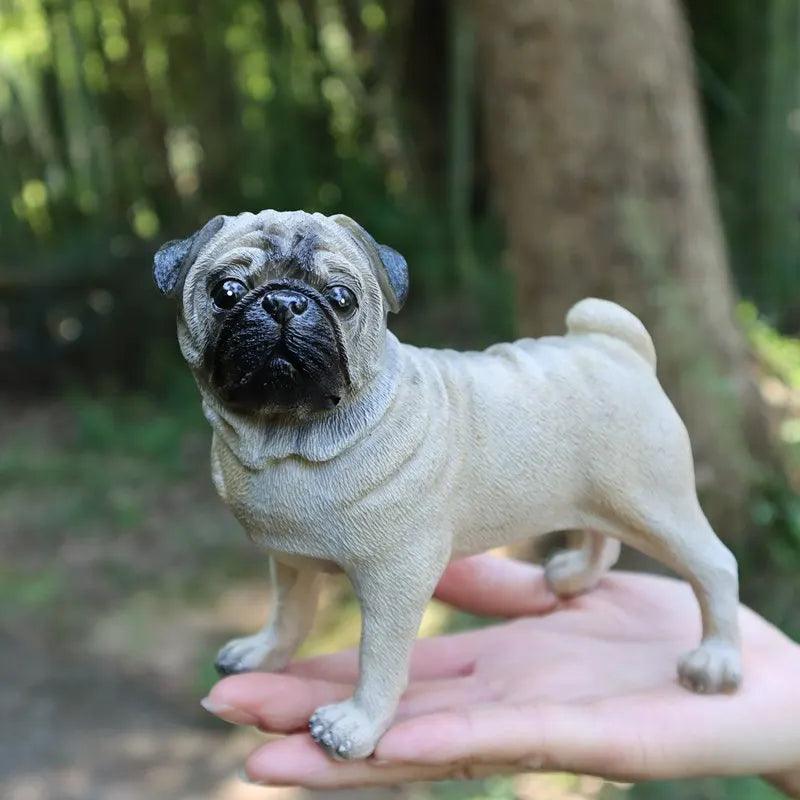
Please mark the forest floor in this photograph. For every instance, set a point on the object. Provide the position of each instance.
(122, 574)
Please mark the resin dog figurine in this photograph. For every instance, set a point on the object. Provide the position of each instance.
(340, 449)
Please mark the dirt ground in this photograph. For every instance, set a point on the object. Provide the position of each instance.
(85, 728)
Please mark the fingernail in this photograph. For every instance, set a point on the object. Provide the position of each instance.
(245, 778)
(235, 716)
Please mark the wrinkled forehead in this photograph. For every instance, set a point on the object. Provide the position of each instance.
(289, 240)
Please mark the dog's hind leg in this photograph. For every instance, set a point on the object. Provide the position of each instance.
(681, 537)
(580, 567)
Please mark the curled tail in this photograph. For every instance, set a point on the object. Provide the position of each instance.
(602, 316)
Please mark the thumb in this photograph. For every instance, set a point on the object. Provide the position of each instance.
(494, 586)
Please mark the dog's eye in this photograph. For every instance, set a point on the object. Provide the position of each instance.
(341, 298)
(226, 294)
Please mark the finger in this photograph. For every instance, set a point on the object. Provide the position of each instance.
(272, 702)
(447, 745)
(459, 734)
(530, 737)
(494, 586)
(432, 658)
(298, 761)
(649, 739)
(283, 703)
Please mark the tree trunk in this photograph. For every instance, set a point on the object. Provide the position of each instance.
(601, 173)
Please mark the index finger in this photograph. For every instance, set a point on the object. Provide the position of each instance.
(435, 657)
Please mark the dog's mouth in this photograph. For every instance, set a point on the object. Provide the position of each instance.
(259, 364)
(280, 358)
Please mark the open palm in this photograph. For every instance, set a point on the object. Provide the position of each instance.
(586, 685)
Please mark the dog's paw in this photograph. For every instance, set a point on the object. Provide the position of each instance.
(344, 730)
(713, 667)
(568, 572)
(249, 653)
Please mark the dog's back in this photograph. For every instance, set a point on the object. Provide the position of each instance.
(538, 419)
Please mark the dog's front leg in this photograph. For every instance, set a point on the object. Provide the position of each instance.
(393, 597)
(294, 602)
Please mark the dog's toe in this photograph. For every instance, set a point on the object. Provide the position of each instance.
(250, 653)
(569, 572)
(712, 668)
(344, 731)
(224, 668)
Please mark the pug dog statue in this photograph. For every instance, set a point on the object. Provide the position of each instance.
(340, 449)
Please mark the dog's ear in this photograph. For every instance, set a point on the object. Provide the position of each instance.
(173, 259)
(391, 268)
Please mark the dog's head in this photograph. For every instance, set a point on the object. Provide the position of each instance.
(282, 312)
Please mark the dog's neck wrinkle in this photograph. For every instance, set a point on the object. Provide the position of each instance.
(257, 441)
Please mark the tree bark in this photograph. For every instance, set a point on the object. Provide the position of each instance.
(602, 177)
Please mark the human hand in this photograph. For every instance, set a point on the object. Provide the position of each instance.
(586, 685)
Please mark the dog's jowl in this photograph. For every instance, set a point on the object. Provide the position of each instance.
(340, 449)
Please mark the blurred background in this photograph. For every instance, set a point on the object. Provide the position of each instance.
(522, 154)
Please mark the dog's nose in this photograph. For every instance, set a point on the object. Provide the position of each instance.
(283, 304)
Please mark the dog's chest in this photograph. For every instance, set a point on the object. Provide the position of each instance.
(283, 498)
(292, 506)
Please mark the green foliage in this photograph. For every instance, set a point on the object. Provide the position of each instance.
(101, 470)
(777, 509)
(748, 63)
(705, 789)
(773, 551)
(781, 354)
(133, 120)
(149, 427)
(127, 122)
(29, 591)
(780, 357)
(497, 788)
